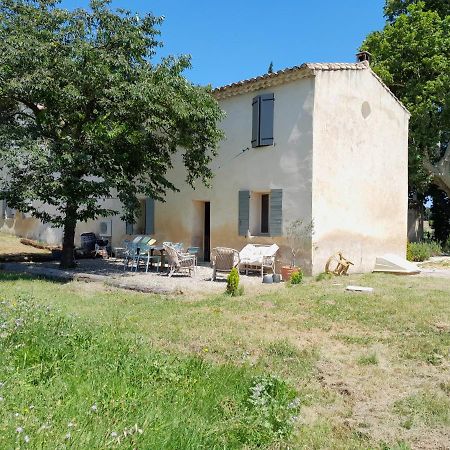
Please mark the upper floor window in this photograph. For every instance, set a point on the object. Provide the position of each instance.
(262, 120)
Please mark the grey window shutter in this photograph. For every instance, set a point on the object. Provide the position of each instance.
(2, 209)
(149, 215)
(255, 121)
(244, 212)
(276, 212)
(266, 119)
(128, 228)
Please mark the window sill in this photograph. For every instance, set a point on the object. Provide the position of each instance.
(264, 146)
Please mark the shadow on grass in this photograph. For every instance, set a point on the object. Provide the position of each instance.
(11, 276)
(26, 257)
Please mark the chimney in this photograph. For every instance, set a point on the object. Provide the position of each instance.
(363, 56)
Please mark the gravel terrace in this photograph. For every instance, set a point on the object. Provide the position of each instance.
(112, 272)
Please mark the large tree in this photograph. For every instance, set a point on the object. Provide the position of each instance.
(85, 113)
(394, 8)
(412, 56)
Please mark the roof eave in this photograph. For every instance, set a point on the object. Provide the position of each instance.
(263, 82)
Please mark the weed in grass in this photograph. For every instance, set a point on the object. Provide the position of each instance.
(324, 276)
(427, 408)
(355, 340)
(445, 387)
(368, 360)
(283, 349)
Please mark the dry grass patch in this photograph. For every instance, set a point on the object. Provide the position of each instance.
(11, 246)
(442, 262)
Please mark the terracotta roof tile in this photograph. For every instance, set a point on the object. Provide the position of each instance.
(296, 69)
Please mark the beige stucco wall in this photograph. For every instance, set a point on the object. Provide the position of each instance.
(25, 226)
(360, 170)
(286, 165)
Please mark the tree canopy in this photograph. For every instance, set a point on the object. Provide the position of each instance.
(412, 56)
(395, 8)
(86, 114)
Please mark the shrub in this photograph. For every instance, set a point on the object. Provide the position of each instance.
(446, 246)
(324, 276)
(435, 248)
(299, 233)
(296, 277)
(420, 251)
(233, 287)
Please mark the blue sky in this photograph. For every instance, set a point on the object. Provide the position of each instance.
(233, 40)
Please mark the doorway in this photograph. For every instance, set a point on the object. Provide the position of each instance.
(207, 232)
(201, 229)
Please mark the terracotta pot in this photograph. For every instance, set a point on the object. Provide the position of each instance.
(287, 271)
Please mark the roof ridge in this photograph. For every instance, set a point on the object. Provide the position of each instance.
(293, 73)
(311, 66)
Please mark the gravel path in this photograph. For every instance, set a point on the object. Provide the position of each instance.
(436, 266)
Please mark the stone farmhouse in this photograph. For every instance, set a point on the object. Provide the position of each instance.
(324, 143)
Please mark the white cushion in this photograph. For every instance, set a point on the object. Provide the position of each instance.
(252, 260)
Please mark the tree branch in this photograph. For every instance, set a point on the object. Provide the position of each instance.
(32, 106)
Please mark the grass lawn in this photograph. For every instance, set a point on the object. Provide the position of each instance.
(85, 366)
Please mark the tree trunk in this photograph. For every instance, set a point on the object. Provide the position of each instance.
(67, 257)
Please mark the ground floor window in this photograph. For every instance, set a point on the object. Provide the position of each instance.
(144, 218)
(260, 213)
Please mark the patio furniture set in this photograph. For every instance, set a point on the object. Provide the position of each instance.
(141, 251)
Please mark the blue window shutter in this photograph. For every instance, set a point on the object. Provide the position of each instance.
(128, 228)
(244, 212)
(266, 119)
(149, 215)
(276, 212)
(255, 121)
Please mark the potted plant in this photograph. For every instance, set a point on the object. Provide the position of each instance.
(298, 235)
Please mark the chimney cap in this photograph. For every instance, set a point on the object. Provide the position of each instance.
(363, 56)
